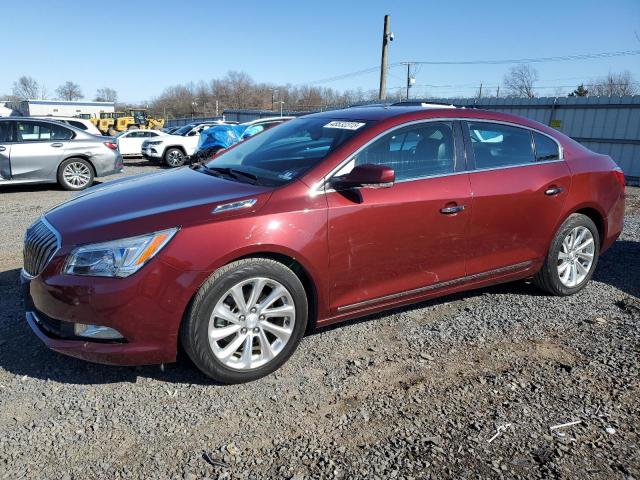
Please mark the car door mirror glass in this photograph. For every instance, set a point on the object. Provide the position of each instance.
(365, 176)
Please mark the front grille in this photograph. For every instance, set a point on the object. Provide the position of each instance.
(40, 243)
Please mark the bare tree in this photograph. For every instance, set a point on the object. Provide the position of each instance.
(520, 81)
(614, 84)
(106, 94)
(69, 91)
(26, 88)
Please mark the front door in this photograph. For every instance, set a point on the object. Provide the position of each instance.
(386, 242)
(519, 186)
(38, 150)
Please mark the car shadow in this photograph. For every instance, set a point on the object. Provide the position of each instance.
(22, 353)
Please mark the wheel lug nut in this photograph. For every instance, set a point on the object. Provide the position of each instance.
(244, 330)
(261, 317)
(256, 330)
(253, 310)
(242, 318)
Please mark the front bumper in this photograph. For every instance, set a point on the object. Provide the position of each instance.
(145, 308)
(153, 151)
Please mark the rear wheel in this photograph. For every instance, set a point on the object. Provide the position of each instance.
(572, 258)
(174, 157)
(75, 174)
(246, 320)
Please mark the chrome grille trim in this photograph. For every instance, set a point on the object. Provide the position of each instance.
(41, 242)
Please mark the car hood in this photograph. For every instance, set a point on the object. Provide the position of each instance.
(149, 202)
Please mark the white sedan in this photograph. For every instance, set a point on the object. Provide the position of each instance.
(130, 142)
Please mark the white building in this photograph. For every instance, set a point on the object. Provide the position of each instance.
(61, 108)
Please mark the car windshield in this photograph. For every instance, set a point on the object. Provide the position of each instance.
(183, 130)
(287, 151)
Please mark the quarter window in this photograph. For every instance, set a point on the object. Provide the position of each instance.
(546, 148)
(495, 145)
(412, 152)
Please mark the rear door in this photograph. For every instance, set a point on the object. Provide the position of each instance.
(38, 150)
(519, 185)
(6, 141)
(385, 243)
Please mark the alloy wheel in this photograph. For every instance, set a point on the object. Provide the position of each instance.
(251, 323)
(174, 158)
(576, 255)
(77, 174)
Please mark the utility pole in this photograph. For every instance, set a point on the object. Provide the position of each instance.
(410, 80)
(386, 38)
(480, 92)
(498, 92)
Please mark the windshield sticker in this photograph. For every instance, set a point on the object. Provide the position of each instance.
(344, 125)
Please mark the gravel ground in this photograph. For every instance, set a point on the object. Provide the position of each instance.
(467, 386)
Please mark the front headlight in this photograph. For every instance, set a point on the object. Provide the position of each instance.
(118, 258)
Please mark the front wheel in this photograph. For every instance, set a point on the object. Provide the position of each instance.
(75, 174)
(246, 320)
(174, 157)
(572, 257)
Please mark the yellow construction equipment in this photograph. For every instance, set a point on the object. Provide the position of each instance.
(113, 122)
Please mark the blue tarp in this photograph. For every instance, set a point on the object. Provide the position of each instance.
(226, 135)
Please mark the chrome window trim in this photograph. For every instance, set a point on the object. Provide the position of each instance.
(56, 233)
(530, 129)
(320, 186)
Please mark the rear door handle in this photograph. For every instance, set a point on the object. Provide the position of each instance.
(2, 149)
(553, 191)
(452, 209)
(57, 145)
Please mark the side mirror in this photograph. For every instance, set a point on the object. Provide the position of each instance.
(367, 176)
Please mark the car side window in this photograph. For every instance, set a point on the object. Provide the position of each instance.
(5, 132)
(38, 132)
(496, 145)
(79, 125)
(413, 152)
(546, 148)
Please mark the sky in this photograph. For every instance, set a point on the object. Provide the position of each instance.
(141, 47)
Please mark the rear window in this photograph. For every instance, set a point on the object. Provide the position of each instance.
(76, 124)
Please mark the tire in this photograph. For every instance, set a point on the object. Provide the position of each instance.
(241, 356)
(577, 264)
(75, 174)
(112, 132)
(174, 157)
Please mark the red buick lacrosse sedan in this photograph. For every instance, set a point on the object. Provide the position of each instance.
(323, 218)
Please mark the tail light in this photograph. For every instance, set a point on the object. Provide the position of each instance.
(111, 145)
(619, 174)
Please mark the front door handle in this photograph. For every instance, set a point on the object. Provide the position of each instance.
(57, 145)
(551, 191)
(452, 209)
(2, 149)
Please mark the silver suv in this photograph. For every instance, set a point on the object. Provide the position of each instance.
(43, 151)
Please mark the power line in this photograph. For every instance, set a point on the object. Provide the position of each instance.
(564, 58)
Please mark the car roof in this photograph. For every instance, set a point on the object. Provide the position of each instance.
(409, 112)
(376, 112)
(75, 129)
